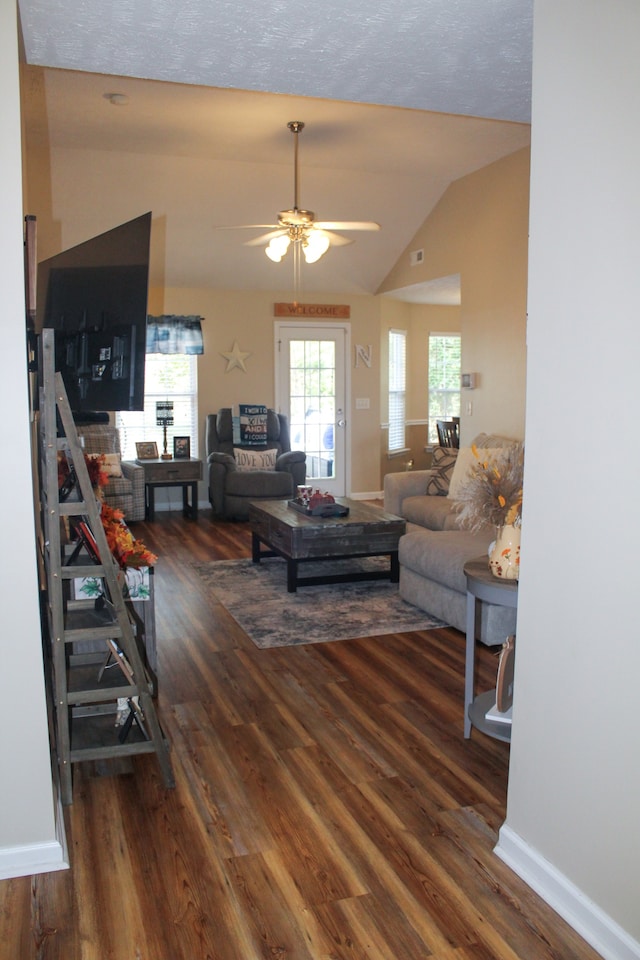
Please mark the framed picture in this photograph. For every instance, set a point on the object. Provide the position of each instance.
(181, 448)
(147, 450)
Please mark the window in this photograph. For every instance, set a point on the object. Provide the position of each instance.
(445, 366)
(167, 377)
(397, 389)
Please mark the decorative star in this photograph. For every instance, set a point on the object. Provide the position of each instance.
(235, 358)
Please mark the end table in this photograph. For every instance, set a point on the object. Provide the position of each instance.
(483, 586)
(172, 473)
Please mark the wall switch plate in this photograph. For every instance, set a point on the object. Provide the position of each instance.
(362, 403)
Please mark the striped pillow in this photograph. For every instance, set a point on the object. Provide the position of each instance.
(442, 464)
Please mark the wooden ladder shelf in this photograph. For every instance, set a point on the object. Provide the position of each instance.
(87, 704)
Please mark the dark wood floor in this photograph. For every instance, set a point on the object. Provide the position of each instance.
(327, 806)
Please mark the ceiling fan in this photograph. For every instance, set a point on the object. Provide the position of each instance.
(300, 227)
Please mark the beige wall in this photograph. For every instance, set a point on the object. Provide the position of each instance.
(247, 317)
(419, 321)
(573, 824)
(29, 842)
(479, 230)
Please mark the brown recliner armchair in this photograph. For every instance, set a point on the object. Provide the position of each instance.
(231, 489)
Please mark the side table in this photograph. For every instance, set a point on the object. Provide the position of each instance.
(483, 586)
(172, 473)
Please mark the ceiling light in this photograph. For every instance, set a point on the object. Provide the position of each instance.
(300, 227)
(277, 248)
(315, 245)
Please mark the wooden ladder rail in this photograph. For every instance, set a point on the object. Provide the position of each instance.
(54, 403)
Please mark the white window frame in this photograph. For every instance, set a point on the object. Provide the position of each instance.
(396, 441)
(137, 425)
(449, 397)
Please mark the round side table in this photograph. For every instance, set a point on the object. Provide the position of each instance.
(482, 586)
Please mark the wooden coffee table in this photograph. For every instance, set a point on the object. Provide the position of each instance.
(367, 531)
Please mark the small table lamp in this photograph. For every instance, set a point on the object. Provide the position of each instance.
(164, 418)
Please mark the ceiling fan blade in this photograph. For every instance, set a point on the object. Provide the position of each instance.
(336, 239)
(264, 238)
(249, 226)
(346, 225)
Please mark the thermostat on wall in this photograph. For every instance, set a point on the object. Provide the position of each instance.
(468, 381)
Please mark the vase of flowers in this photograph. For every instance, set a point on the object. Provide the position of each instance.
(492, 496)
(504, 552)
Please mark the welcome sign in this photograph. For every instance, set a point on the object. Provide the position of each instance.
(318, 311)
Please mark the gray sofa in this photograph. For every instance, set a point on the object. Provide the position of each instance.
(434, 549)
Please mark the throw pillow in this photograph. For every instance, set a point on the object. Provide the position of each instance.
(464, 464)
(442, 464)
(493, 440)
(255, 459)
(111, 464)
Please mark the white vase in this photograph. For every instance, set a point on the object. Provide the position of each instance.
(504, 553)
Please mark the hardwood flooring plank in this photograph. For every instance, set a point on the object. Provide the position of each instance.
(220, 794)
(509, 906)
(359, 929)
(190, 904)
(320, 869)
(327, 805)
(366, 839)
(359, 756)
(259, 892)
(28, 936)
(111, 923)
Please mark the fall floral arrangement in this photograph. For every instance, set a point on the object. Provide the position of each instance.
(98, 477)
(128, 551)
(493, 492)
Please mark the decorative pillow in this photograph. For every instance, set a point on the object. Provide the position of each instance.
(493, 440)
(111, 464)
(255, 459)
(464, 464)
(442, 464)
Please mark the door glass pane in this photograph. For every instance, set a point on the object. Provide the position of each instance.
(313, 410)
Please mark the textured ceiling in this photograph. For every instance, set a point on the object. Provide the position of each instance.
(399, 99)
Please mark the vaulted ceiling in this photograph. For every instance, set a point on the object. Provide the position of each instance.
(399, 100)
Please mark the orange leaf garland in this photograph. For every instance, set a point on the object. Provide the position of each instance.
(128, 551)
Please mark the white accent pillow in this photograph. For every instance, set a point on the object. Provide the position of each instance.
(111, 465)
(465, 462)
(255, 459)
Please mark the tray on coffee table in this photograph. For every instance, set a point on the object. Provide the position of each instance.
(320, 509)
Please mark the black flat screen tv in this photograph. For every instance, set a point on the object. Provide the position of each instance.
(94, 296)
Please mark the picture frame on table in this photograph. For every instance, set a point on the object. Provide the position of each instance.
(181, 448)
(147, 450)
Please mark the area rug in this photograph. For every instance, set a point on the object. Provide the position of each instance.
(256, 597)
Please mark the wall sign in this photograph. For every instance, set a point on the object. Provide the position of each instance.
(324, 311)
(363, 354)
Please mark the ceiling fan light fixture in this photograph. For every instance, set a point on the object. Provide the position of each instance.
(299, 227)
(277, 247)
(315, 245)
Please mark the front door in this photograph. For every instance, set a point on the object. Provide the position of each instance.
(311, 389)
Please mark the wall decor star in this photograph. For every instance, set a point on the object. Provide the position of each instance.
(235, 358)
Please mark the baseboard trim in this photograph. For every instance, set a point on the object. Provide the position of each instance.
(28, 860)
(31, 859)
(587, 918)
(371, 495)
